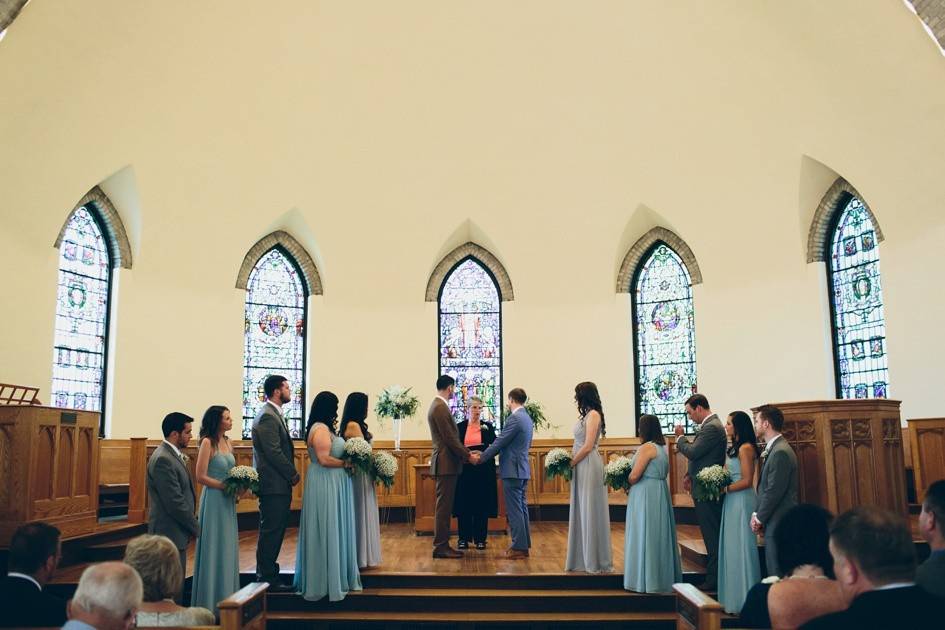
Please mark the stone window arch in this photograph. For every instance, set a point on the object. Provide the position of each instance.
(483, 256)
(299, 254)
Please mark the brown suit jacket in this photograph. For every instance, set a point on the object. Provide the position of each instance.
(449, 454)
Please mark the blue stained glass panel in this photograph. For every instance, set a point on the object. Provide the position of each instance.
(82, 298)
(859, 325)
(274, 337)
(470, 347)
(665, 337)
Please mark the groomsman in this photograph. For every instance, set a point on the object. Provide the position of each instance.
(777, 488)
(446, 463)
(706, 448)
(274, 459)
(170, 489)
(513, 443)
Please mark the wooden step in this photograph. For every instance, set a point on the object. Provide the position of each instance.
(279, 620)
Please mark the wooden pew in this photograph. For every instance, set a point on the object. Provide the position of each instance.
(696, 610)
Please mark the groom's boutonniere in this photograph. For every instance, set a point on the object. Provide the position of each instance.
(184, 458)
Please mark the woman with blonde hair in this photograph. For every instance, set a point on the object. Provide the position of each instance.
(157, 561)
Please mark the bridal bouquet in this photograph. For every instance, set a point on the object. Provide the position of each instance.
(358, 452)
(396, 402)
(384, 468)
(241, 479)
(709, 482)
(558, 464)
(617, 474)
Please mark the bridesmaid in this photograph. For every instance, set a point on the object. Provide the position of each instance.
(739, 567)
(326, 561)
(589, 520)
(366, 519)
(216, 568)
(651, 555)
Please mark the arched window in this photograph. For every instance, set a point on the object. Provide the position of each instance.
(856, 300)
(80, 346)
(470, 339)
(274, 335)
(664, 345)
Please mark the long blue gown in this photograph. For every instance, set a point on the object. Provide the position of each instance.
(326, 561)
(217, 565)
(651, 556)
(739, 566)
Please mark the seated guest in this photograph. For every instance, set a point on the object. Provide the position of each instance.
(874, 559)
(107, 598)
(156, 560)
(931, 574)
(33, 556)
(808, 589)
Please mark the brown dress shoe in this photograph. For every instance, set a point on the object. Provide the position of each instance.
(516, 554)
(449, 552)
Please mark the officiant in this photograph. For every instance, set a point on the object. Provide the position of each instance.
(476, 495)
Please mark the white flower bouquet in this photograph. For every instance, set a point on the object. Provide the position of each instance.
(558, 464)
(241, 479)
(617, 474)
(396, 402)
(384, 468)
(708, 484)
(358, 451)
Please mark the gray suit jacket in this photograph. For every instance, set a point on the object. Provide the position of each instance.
(273, 452)
(171, 496)
(513, 443)
(706, 448)
(777, 488)
(448, 452)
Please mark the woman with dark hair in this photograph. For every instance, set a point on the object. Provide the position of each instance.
(808, 588)
(651, 555)
(366, 520)
(739, 568)
(477, 496)
(326, 560)
(216, 560)
(589, 519)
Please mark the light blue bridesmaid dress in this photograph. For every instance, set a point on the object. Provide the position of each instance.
(367, 520)
(651, 556)
(326, 561)
(589, 514)
(739, 567)
(217, 565)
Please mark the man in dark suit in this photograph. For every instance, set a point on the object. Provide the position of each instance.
(171, 495)
(446, 463)
(706, 448)
(874, 559)
(777, 487)
(513, 443)
(33, 557)
(274, 459)
(931, 573)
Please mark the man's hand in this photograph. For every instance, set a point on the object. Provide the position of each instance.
(474, 458)
(679, 430)
(756, 525)
(687, 483)
(296, 479)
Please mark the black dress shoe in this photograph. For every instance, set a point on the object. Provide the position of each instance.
(447, 553)
(480, 545)
(281, 587)
(463, 545)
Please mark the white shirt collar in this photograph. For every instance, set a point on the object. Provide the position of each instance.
(888, 587)
(23, 576)
(446, 402)
(175, 449)
(771, 442)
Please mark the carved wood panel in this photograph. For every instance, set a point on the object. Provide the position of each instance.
(43, 463)
(65, 458)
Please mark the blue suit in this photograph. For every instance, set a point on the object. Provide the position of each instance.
(513, 443)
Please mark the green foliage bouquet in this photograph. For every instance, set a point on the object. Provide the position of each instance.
(537, 413)
(709, 482)
(396, 402)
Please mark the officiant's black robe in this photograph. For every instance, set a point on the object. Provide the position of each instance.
(476, 487)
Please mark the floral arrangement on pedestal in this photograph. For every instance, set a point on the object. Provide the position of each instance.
(537, 413)
(617, 474)
(396, 402)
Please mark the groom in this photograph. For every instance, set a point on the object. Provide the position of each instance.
(513, 443)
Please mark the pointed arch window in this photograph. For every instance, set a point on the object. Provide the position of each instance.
(664, 345)
(470, 337)
(856, 298)
(275, 319)
(83, 303)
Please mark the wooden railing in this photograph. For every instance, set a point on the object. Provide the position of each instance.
(696, 610)
(245, 609)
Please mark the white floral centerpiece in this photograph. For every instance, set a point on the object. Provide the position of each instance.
(708, 484)
(558, 464)
(358, 451)
(240, 479)
(617, 474)
(384, 468)
(398, 403)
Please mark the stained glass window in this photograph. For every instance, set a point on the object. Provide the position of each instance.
(274, 336)
(859, 326)
(82, 304)
(470, 346)
(664, 337)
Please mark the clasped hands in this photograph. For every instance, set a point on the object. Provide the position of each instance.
(756, 526)
(475, 457)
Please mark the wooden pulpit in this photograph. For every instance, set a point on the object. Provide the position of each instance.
(849, 452)
(48, 469)
(426, 503)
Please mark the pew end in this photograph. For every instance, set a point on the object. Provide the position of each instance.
(696, 610)
(245, 609)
